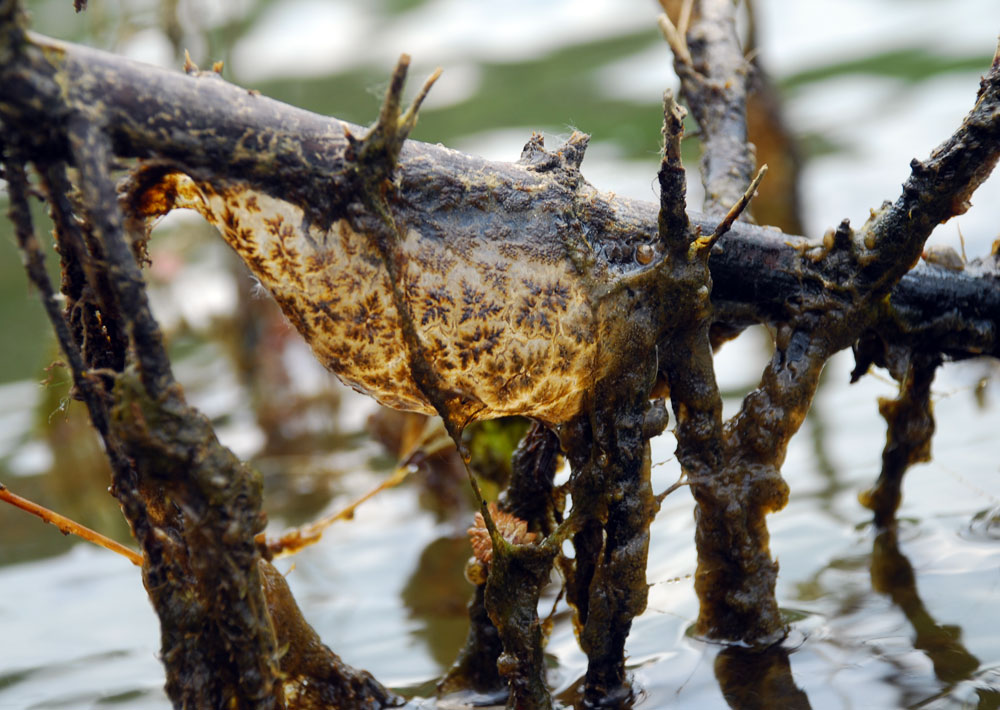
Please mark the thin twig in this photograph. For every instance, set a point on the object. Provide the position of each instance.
(291, 541)
(676, 40)
(676, 35)
(409, 119)
(68, 526)
(684, 21)
(670, 489)
(734, 212)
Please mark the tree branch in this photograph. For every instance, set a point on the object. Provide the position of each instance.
(373, 248)
(736, 576)
(937, 189)
(231, 132)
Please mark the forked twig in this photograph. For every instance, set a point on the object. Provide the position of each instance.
(676, 35)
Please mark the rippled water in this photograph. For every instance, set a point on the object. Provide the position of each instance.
(875, 624)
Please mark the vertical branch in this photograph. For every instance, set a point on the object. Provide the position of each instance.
(687, 360)
(613, 506)
(607, 445)
(90, 302)
(203, 579)
(34, 262)
(732, 483)
(713, 73)
(89, 387)
(908, 438)
(91, 152)
(673, 224)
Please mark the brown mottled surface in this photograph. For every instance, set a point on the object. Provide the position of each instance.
(508, 323)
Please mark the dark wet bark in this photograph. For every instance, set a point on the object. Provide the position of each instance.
(529, 495)
(517, 575)
(314, 677)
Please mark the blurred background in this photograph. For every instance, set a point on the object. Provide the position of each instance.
(860, 87)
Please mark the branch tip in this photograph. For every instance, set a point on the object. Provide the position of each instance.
(684, 21)
(388, 118)
(189, 66)
(706, 243)
(673, 224)
(409, 119)
(676, 40)
(673, 126)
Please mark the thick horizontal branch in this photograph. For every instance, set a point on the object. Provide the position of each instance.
(208, 128)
